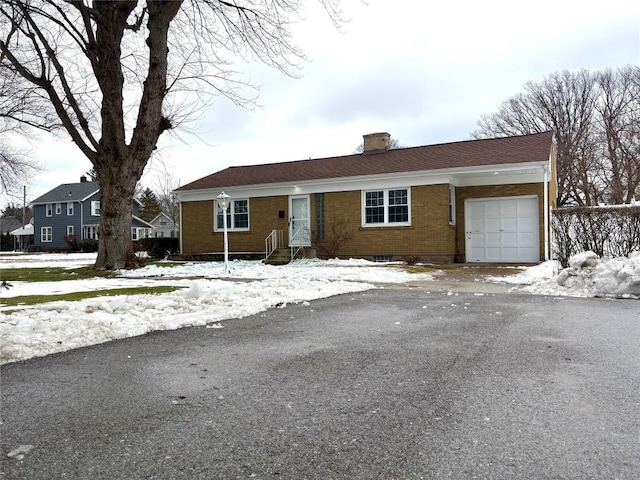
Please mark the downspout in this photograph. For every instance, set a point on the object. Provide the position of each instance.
(546, 212)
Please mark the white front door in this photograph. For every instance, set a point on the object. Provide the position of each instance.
(299, 222)
(502, 230)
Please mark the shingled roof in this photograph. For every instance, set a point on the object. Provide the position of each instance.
(68, 192)
(471, 153)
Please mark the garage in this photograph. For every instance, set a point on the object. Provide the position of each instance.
(502, 230)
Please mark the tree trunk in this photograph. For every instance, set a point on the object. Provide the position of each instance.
(115, 248)
(119, 165)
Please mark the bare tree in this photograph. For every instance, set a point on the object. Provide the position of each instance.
(619, 134)
(394, 144)
(16, 163)
(596, 121)
(114, 76)
(164, 186)
(565, 103)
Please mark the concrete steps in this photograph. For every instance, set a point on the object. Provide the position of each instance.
(280, 256)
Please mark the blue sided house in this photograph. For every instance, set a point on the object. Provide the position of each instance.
(72, 210)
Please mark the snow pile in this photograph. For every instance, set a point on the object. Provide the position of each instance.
(587, 276)
(353, 270)
(52, 327)
(207, 295)
(60, 326)
(614, 277)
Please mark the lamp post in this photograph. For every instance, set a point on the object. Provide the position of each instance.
(223, 201)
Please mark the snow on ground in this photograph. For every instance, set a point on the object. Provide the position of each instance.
(587, 276)
(39, 260)
(209, 295)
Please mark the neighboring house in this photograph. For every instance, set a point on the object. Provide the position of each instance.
(163, 226)
(475, 201)
(73, 210)
(23, 237)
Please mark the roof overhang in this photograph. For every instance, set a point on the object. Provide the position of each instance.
(531, 172)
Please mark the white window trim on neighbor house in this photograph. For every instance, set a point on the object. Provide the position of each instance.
(48, 210)
(90, 231)
(58, 208)
(69, 230)
(46, 234)
(69, 209)
(95, 208)
(386, 208)
(233, 217)
(138, 233)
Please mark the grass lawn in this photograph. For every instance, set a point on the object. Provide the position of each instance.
(70, 297)
(53, 274)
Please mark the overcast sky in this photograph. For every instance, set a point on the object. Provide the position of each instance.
(423, 71)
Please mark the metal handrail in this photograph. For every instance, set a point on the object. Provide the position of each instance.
(296, 248)
(273, 242)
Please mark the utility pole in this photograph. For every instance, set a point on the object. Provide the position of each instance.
(24, 205)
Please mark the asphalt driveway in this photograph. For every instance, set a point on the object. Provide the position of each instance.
(394, 383)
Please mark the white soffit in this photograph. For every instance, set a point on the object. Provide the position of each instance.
(460, 177)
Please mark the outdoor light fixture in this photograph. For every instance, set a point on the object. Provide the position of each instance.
(223, 201)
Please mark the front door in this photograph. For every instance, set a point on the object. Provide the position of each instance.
(299, 222)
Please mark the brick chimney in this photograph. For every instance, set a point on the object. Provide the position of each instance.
(376, 142)
(83, 179)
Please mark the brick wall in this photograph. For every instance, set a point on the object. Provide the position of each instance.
(198, 235)
(429, 238)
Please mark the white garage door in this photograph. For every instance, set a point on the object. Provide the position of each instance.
(502, 230)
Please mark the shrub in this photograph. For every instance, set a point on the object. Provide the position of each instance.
(6, 242)
(334, 234)
(88, 245)
(72, 242)
(158, 247)
(606, 231)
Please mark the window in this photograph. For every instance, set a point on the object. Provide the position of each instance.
(58, 208)
(69, 230)
(46, 234)
(138, 233)
(95, 208)
(237, 216)
(49, 210)
(452, 205)
(91, 231)
(386, 207)
(70, 208)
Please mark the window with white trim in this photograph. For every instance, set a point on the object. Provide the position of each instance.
(91, 231)
(69, 230)
(46, 234)
(386, 207)
(452, 205)
(49, 210)
(69, 209)
(58, 208)
(95, 208)
(237, 216)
